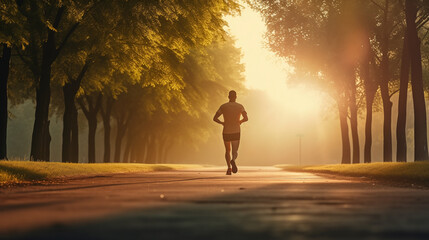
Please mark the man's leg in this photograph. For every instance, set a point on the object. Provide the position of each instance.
(235, 145)
(227, 154)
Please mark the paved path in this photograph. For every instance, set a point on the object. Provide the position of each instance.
(257, 203)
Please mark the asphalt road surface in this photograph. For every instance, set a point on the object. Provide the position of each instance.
(257, 203)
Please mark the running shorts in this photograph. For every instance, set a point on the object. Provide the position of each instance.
(228, 137)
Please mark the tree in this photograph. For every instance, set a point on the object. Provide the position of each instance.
(194, 29)
(366, 71)
(11, 32)
(347, 48)
(385, 34)
(145, 41)
(70, 147)
(88, 58)
(106, 113)
(401, 140)
(112, 37)
(370, 86)
(4, 74)
(50, 25)
(90, 105)
(165, 116)
(420, 128)
(123, 114)
(313, 36)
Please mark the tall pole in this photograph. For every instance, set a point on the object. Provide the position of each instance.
(300, 152)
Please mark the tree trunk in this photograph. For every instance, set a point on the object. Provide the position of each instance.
(167, 145)
(345, 159)
(420, 128)
(92, 129)
(41, 138)
(160, 148)
(74, 145)
(91, 115)
(118, 144)
(167, 151)
(149, 156)
(131, 139)
(4, 75)
(133, 153)
(106, 114)
(354, 119)
(126, 157)
(107, 130)
(401, 137)
(122, 122)
(70, 148)
(154, 147)
(387, 124)
(355, 134)
(40, 141)
(384, 89)
(142, 152)
(67, 125)
(370, 90)
(164, 147)
(120, 132)
(368, 128)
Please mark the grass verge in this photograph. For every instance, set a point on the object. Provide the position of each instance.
(12, 172)
(407, 173)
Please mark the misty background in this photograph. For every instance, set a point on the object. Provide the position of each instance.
(280, 112)
(269, 137)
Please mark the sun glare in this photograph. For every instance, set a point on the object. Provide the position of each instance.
(267, 72)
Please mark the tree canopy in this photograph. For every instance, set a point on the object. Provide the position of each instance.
(133, 61)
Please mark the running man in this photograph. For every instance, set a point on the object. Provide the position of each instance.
(231, 112)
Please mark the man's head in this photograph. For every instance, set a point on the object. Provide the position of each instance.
(232, 96)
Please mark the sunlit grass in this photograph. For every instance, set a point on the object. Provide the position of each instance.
(414, 172)
(22, 171)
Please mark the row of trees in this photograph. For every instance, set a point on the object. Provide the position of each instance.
(354, 50)
(148, 69)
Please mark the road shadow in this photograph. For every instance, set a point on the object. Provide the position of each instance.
(276, 211)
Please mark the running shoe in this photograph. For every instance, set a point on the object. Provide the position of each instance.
(234, 166)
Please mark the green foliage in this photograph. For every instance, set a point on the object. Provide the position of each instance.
(321, 39)
(37, 19)
(159, 60)
(172, 116)
(126, 42)
(12, 25)
(139, 42)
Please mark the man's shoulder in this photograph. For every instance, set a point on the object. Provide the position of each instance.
(240, 105)
(231, 105)
(223, 105)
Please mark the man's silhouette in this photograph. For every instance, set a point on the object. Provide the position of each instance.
(232, 112)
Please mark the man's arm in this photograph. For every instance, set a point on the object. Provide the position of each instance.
(245, 118)
(216, 118)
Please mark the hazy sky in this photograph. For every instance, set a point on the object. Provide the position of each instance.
(279, 112)
(265, 71)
